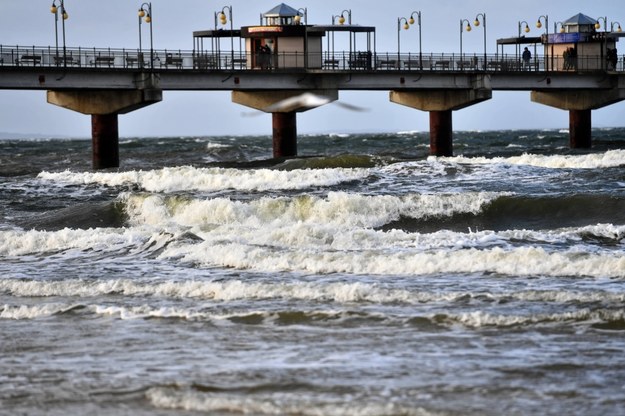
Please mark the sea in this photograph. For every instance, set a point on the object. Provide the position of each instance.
(363, 277)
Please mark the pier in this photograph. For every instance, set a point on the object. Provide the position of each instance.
(284, 57)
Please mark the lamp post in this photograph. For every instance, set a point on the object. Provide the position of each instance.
(618, 27)
(406, 26)
(605, 24)
(476, 23)
(223, 19)
(341, 21)
(342, 17)
(54, 9)
(411, 21)
(298, 19)
(539, 25)
(526, 29)
(145, 13)
(555, 27)
(462, 27)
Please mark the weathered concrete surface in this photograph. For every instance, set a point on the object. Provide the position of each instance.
(104, 101)
(579, 99)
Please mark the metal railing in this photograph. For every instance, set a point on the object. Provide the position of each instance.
(163, 59)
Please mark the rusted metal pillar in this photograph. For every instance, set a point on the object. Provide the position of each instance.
(105, 140)
(284, 134)
(580, 126)
(441, 133)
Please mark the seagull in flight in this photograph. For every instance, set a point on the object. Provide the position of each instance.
(306, 101)
(303, 102)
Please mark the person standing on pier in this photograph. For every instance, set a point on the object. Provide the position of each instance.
(527, 56)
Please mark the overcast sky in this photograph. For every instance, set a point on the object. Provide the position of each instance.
(113, 23)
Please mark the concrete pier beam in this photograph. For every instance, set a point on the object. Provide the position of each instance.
(104, 107)
(105, 141)
(440, 104)
(284, 121)
(579, 104)
(284, 134)
(580, 129)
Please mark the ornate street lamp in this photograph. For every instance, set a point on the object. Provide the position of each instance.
(618, 27)
(54, 9)
(406, 26)
(539, 25)
(462, 28)
(341, 21)
(145, 14)
(223, 19)
(342, 17)
(411, 21)
(476, 23)
(605, 23)
(526, 29)
(555, 27)
(301, 12)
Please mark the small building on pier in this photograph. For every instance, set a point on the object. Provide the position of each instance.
(580, 45)
(284, 40)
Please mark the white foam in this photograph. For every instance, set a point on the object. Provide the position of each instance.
(337, 209)
(483, 319)
(234, 290)
(277, 403)
(20, 242)
(525, 261)
(210, 179)
(32, 312)
(610, 158)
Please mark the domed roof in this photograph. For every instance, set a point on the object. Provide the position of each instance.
(580, 20)
(282, 10)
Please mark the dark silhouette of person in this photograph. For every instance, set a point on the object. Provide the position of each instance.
(527, 56)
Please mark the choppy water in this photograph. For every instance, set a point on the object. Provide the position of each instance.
(364, 278)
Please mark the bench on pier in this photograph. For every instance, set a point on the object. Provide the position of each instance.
(387, 63)
(29, 59)
(331, 63)
(170, 59)
(63, 60)
(442, 64)
(205, 62)
(505, 65)
(360, 60)
(466, 64)
(103, 60)
(236, 62)
(415, 64)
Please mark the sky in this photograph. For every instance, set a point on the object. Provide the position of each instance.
(113, 23)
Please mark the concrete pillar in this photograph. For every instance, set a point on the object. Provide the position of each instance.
(103, 106)
(283, 106)
(580, 129)
(441, 143)
(440, 103)
(579, 104)
(105, 141)
(284, 134)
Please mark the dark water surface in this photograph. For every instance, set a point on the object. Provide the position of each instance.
(362, 278)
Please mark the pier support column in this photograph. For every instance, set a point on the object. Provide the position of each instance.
(579, 104)
(105, 141)
(580, 127)
(441, 143)
(284, 134)
(440, 103)
(104, 106)
(283, 106)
